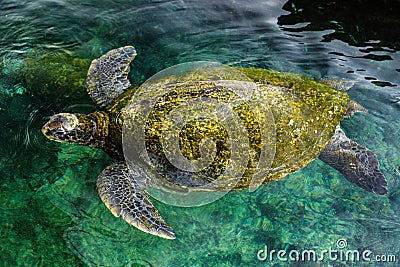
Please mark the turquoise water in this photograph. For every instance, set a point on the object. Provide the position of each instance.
(51, 214)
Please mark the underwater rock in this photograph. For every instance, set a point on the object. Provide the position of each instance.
(10, 76)
(52, 75)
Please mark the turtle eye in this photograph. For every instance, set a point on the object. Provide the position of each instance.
(56, 124)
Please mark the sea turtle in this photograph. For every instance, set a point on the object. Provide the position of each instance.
(306, 115)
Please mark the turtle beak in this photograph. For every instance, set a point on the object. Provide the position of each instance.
(45, 130)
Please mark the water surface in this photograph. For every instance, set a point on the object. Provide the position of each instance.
(51, 214)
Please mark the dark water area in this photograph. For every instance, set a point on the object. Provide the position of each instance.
(51, 214)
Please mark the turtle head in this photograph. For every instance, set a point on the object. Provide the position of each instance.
(71, 128)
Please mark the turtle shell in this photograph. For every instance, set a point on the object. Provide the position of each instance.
(206, 126)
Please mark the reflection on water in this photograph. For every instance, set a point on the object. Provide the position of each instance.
(51, 214)
(358, 23)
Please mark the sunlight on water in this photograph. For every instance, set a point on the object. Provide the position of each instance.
(51, 213)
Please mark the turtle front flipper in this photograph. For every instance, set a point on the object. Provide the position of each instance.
(107, 76)
(124, 197)
(357, 163)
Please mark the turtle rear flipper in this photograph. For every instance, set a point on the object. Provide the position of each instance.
(107, 76)
(124, 197)
(357, 163)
